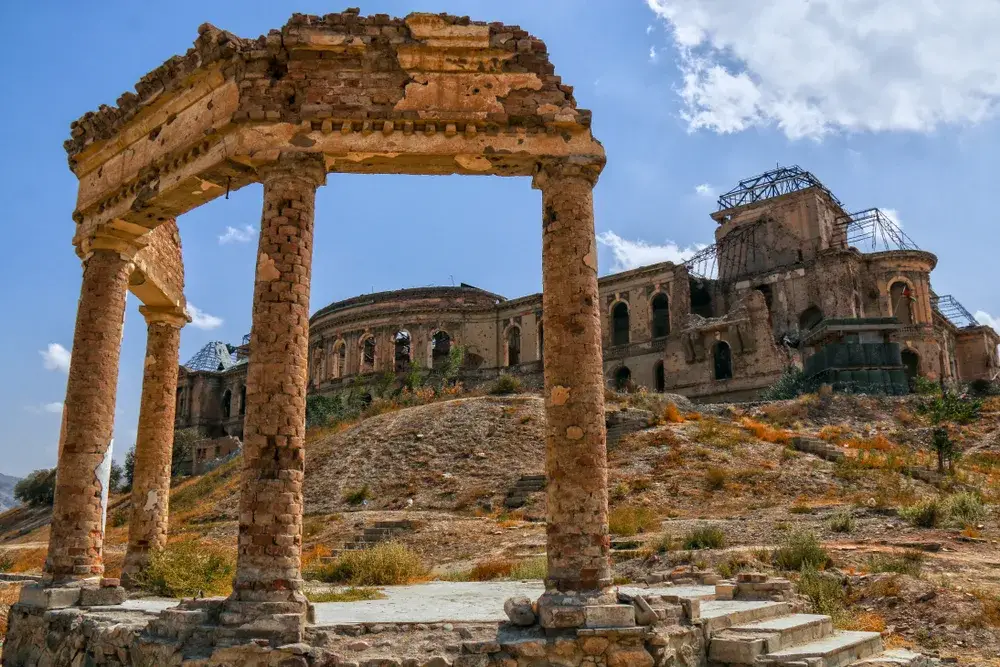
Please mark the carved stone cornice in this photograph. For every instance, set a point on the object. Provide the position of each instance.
(169, 315)
(308, 167)
(552, 170)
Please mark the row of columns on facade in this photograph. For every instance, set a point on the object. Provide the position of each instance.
(268, 573)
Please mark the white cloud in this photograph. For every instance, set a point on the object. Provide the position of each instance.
(653, 56)
(54, 408)
(202, 320)
(633, 254)
(649, 29)
(244, 234)
(705, 190)
(824, 66)
(55, 358)
(985, 318)
(893, 216)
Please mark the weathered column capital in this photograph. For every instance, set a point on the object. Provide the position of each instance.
(577, 166)
(308, 167)
(169, 315)
(106, 243)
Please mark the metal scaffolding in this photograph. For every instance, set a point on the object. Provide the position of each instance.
(872, 230)
(949, 308)
(737, 255)
(774, 183)
(215, 356)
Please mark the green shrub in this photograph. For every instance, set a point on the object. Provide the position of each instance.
(386, 564)
(928, 513)
(965, 509)
(823, 590)
(357, 496)
(909, 563)
(629, 520)
(189, 567)
(791, 384)
(505, 384)
(119, 518)
(37, 489)
(800, 549)
(705, 537)
(842, 522)
(7, 560)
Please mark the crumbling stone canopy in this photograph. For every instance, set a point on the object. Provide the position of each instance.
(428, 94)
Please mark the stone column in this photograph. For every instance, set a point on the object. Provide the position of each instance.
(155, 439)
(579, 571)
(76, 539)
(267, 594)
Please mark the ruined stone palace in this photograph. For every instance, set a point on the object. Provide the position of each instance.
(722, 326)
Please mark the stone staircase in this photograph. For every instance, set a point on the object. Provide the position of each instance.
(380, 531)
(819, 448)
(518, 494)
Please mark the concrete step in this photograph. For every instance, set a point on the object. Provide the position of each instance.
(717, 615)
(838, 650)
(742, 644)
(894, 658)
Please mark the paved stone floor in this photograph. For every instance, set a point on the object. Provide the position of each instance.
(435, 602)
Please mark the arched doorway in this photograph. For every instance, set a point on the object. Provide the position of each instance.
(701, 298)
(809, 318)
(513, 346)
(660, 307)
(227, 404)
(722, 356)
(901, 297)
(911, 364)
(402, 343)
(440, 349)
(368, 355)
(623, 378)
(659, 377)
(619, 324)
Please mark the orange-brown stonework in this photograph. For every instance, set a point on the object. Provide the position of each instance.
(268, 576)
(154, 440)
(576, 455)
(77, 536)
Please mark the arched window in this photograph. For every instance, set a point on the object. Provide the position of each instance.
(911, 362)
(243, 400)
(623, 378)
(340, 359)
(513, 346)
(661, 315)
(701, 298)
(368, 355)
(809, 318)
(722, 354)
(902, 299)
(541, 343)
(659, 377)
(440, 348)
(227, 404)
(402, 342)
(619, 324)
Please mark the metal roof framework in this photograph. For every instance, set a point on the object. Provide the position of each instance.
(774, 183)
(949, 308)
(872, 230)
(215, 356)
(733, 254)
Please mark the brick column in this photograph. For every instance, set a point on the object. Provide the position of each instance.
(575, 448)
(76, 540)
(155, 439)
(267, 598)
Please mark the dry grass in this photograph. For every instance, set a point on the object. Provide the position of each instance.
(716, 478)
(8, 596)
(629, 520)
(765, 432)
(833, 434)
(711, 431)
(189, 567)
(672, 415)
(866, 621)
(353, 594)
(386, 564)
(492, 568)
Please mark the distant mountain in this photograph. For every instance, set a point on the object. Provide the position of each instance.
(7, 499)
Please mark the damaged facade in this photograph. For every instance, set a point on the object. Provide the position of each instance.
(722, 326)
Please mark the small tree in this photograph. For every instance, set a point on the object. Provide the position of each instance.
(182, 455)
(115, 477)
(945, 449)
(37, 489)
(129, 468)
(946, 411)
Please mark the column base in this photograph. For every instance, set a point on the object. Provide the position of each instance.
(78, 593)
(592, 609)
(282, 622)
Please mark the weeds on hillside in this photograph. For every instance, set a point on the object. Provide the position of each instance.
(842, 522)
(501, 568)
(629, 520)
(189, 567)
(823, 590)
(766, 433)
(716, 478)
(909, 563)
(506, 384)
(353, 594)
(711, 431)
(386, 564)
(959, 510)
(705, 537)
(357, 496)
(800, 550)
(7, 560)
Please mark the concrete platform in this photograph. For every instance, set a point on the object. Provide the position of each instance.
(442, 602)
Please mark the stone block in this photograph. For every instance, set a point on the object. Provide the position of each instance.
(36, 595)
(725, 591)
(102, 597)
(610, 616)
(692, 609)
(561, 616)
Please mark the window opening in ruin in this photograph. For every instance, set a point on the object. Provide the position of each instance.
(440, 348)
(541, 343)
(661, 316)
(619, 324)
(402, 342)
(659, 377)
(243, 400)
(368, 355)
(227, 404)
(514, 346)
(809, 318)
(911, 362)
(768, 296)
(340, 360)
(723, 356)
(902, 298)
(180, 402)
(623, 378)
(701, 299)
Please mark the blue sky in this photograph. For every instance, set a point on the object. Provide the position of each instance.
(890, 104)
